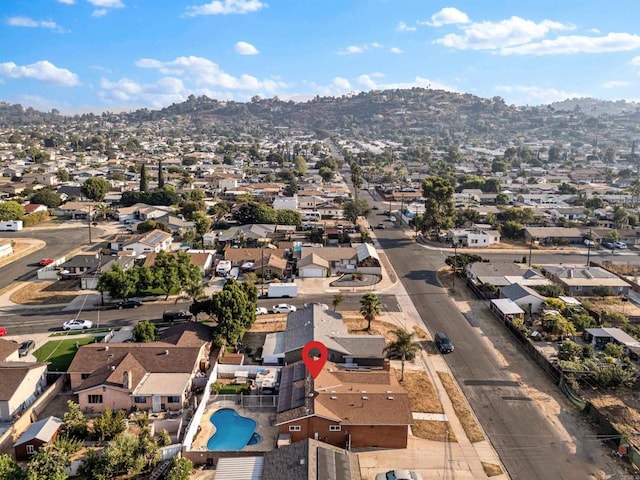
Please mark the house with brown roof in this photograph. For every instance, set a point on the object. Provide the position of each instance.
(21, 383)
(347, 408)
(361, 258)
(148, 376)
(578, 281)
(9, 351)
(203, 260)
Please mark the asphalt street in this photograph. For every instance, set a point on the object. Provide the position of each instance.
(528, 444)
(59, 242)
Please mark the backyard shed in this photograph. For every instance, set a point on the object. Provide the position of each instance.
(39, 434)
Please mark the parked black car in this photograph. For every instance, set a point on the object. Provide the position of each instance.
(129, 304)
(26, 347)
(176, 315)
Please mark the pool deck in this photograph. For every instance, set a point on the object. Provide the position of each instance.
(265, 429)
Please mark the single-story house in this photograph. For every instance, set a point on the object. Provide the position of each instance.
(20, 385)
(582, 281)
(148, 376)
(39, 434)
(313, 266)
(9, 351)
(315, 323)
(527, 298)
(473, 237)
(354, 408)
(501, 274)
(309, 459)
(361, 258)
(554, 235)
(77, 210)
(153, 241)
(30, 208)
(599, 337)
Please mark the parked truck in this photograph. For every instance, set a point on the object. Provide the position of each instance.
(282, 290)
(223, 268)
(11, 226)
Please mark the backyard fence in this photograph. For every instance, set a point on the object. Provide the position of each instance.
(246, 401)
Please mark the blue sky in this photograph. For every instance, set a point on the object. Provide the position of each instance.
(97, 55)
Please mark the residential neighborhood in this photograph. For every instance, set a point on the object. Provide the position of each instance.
(160, 283)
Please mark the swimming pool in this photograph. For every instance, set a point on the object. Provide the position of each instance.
(233, 431)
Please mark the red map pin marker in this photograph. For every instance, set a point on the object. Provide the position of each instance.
(314, 356)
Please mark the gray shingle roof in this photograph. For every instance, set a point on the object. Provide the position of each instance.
(43, 430)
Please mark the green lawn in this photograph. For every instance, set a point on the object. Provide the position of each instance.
(84, 332)
(61, 352)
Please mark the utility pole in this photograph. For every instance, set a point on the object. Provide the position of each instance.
(530, 250)
(455, 265)
(262, 270)
(89, 221)
(589, 242)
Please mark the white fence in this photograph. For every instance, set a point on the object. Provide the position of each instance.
(50, 272)
(246, 401)
(192, 429)
(230, 370)
(170, 451)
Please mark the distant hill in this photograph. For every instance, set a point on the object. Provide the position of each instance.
(415, 116)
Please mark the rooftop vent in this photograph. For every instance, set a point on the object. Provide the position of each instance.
(389, 398)
(166, 352)
(113, 367)
(106, 348)
(333, 397)
(364, 397)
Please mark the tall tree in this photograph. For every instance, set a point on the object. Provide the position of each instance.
(404, 348)
(370, 308)
(352, 209)
(144, 179)
(160, 175)
(11, 210)
(357, 179)
(439, 210)
(118, 282)
(47, 197)
(95, 188)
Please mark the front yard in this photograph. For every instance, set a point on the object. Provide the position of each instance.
(60, 353)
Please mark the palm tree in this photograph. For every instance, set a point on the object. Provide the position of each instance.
(404, 348)
(103, 210)
(370, 308)
(337, 300)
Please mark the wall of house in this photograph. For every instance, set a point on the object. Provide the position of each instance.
(111, 398)
(28, 391)
(21, 450)
(360, 436)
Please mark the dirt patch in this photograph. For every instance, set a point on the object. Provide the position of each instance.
(433, 430)
(21, 247)
(611, 304)
(357, 325)
(421, 392)
(57, 406)
(491, 469)
(46, 293)
(468, 421)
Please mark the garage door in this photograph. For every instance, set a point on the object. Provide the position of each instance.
(313, 272)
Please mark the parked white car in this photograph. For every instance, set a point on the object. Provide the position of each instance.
(284, 308)
(77, 325)
(589, 243)
(261, 311)
(620, 245)
(399, 474)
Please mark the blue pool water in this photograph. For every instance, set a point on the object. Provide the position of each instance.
(233, 431)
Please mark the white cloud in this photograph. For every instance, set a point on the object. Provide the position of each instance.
(447, 16)
(502, 34)
(523, 95)
(403, 27)
(43, 70)
(99, 12)
(612, 42)
(205, 73)
(635, 61)
(244, 48)
(107, 3)
(616, 84)
(342, 83)
(226, 7)
(21, 21)
(161, 93)
(395, 50)
(376, 45)
(351, 50)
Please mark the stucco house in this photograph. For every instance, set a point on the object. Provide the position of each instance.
(473, 237)
(361, 258)
(21, 383)
(315, 323)
(525, 297)
(153, 241)
(148, 376)
(347, 408)
(582, 281)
